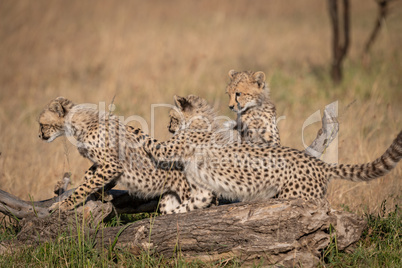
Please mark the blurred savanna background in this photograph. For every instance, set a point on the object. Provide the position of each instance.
(144, 52)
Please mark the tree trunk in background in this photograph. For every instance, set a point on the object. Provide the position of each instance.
(339, 47)
(382, 13)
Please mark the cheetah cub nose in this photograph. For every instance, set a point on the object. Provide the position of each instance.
(231, 107)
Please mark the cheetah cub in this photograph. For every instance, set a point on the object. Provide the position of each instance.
(117, 155)
(200, 118)
(256, 114)
(246, 171)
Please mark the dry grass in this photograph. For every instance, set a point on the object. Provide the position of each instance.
(146, 51)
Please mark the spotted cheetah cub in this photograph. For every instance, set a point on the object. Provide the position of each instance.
(246, 171)
(200, 116)
(117, 155)
(256, 114)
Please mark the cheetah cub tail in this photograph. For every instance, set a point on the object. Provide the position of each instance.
(372, 170)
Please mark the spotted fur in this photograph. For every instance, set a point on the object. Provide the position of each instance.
(256, 114)
(118, 157)
(247, 171)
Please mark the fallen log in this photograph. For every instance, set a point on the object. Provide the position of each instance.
(121, 201)
(285, 232)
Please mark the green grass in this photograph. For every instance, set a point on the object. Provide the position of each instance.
(81, 251)
(379, 246)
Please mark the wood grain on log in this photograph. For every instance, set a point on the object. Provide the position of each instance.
(287, 232)
(121, 200)
(284, 232)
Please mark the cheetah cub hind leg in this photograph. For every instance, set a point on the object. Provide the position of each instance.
(168, 203)
(199, 199)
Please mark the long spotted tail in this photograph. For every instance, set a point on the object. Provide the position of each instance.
(372, 170)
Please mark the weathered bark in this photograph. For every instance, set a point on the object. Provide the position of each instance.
(339, 49)
(287, 232)
(327, 133)
(121, 201)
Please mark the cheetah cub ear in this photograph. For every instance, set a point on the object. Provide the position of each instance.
(232, 73)
(61, 106)
(181, 103)
(259, 77)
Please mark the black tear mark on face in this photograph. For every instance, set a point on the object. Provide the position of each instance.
(237, 95)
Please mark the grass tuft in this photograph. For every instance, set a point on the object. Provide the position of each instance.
(379, 246)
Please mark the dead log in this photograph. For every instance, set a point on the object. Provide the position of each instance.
(121, 201)
(327, 133)
(286, 232)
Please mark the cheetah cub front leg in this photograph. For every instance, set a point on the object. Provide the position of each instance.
(94, 179)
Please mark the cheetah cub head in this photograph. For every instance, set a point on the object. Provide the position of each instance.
(246, 89)
(190, 112)
(51, 119)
